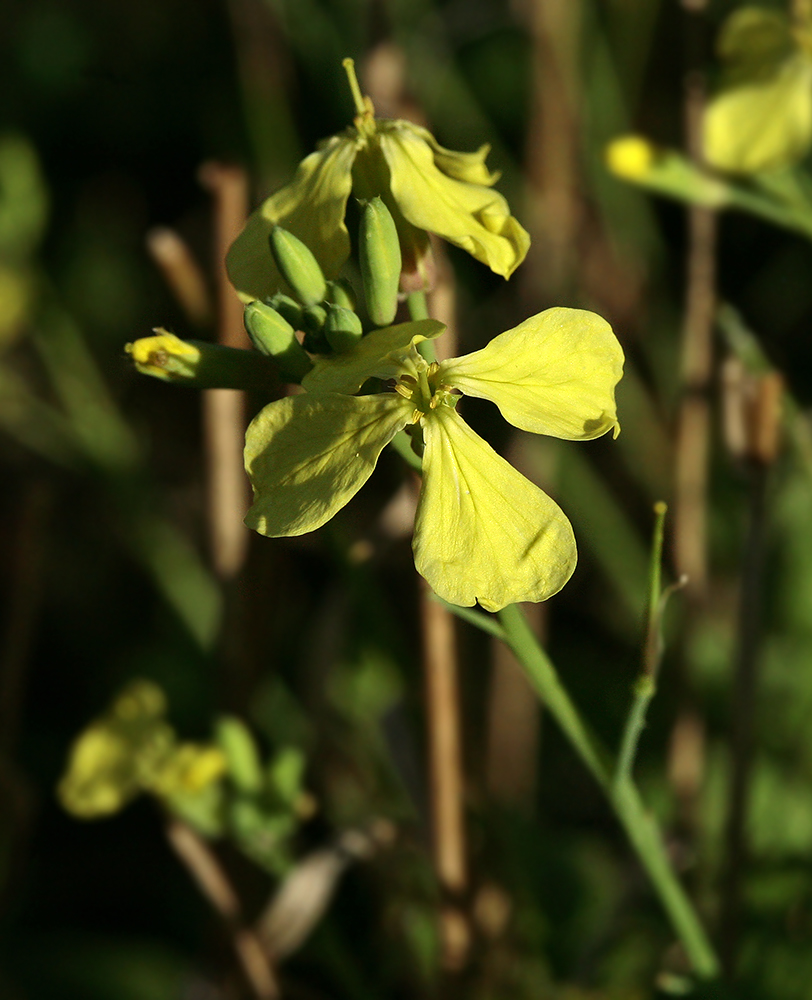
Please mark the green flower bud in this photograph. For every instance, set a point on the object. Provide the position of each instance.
(271, 334)
(201, 365)
(298, 266)
(340, 293)
(342, 328)
(287, 307)
(379, 250)
(240, 751)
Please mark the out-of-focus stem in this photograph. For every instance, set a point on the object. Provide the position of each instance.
(759, 400)
(224, 409)
(182, 274)
(690, 499)
(214, 884)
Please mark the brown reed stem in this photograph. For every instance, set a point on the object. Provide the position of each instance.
(224, 409)
(214, 884)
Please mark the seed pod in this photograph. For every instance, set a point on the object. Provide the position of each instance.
(271, 334)
(379, 250)
(340, 293)
(342, 328)
(298, 266)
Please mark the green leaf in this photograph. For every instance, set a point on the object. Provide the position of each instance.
(554, 374)
(483, 532)
(308, 455)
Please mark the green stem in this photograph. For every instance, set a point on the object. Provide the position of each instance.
(640, 826)
(646, 684)
(419, 309)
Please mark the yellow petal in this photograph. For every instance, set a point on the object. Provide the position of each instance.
(311, 207)
(483, 532)
(383, 353)
(554, 374)
(468, 167)
(308, 455)
(472, 216)
(762, 125)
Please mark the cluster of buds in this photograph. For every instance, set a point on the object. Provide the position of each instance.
(320, 316)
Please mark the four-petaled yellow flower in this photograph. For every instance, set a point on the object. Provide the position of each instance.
(482, 532)
(427, 189)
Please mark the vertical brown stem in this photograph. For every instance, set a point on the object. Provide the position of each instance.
(690, 502)
(445, 774)
(224, 409)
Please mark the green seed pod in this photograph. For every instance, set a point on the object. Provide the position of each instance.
(379, 250)
(340, 293)
(342, 328)
(287, 307)
(242, 757)
(271, 334)
(298, 266)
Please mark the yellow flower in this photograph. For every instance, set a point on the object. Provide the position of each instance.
(483, 532)
(762, 118)
(427, 189)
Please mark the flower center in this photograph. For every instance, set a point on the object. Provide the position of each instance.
(425, 390)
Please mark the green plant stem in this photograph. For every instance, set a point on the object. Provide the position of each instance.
(646, 685)
(419, 309)
(640, 826)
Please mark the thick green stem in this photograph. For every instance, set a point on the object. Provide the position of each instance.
(640, 826)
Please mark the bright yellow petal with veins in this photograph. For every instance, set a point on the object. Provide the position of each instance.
(483, 532)
(311, 207)
(384, 353)
(763, 125)
(308, 455)
(554, 374)
(472, 216)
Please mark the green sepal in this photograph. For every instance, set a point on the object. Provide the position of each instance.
(380, 260)
(298, 266)
(272, 335)
(340, 293)
(342, 328)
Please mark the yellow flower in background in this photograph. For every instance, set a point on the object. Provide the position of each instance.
(482, 532)
(427, 189)
(761, 120)
(132, 749)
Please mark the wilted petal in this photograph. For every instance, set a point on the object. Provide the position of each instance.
(308, 455)
(483, 532)
(311, 207)
(472, 216)
(468, 167)
(554, 374)
(383, 353)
